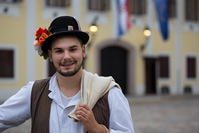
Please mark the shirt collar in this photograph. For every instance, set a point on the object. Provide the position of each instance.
(55, 93)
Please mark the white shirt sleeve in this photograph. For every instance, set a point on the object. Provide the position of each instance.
(16, 109)
(120, 115)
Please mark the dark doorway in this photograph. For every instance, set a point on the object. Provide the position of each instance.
(51, 69)
(150, 75)
(114, 63)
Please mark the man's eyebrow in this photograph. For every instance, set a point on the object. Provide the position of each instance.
(74, 46)
(57, 48)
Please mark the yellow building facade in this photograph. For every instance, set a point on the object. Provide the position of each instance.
(139, 64)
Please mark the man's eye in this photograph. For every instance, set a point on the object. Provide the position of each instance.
(73, 49)
(58, 51)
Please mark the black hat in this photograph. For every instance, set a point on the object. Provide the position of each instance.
(64, 25)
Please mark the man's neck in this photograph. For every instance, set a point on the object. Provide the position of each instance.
(69, 86)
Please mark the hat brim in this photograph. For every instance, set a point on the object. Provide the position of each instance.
(79, 34)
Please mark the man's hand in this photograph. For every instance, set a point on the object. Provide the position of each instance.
(86, 116)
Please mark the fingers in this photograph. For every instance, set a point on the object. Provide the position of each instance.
(86, 116)
(84, 106)
(83, 112)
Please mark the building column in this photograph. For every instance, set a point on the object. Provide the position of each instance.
(114, 15)
(178, 39)
(149, 23)
(30, 36)
(76, 9)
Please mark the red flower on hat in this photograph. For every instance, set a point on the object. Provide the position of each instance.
(41, 39)
(41, 36)
(40, 31)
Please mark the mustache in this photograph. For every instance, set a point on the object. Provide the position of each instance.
(67, 61)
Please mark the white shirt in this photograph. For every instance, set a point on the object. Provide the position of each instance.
(16, 110)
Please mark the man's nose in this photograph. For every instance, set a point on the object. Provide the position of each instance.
(66, 54)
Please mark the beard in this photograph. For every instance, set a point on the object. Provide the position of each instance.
(71, 72)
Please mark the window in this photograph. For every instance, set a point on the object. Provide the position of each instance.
(58, 3)
(99, 5)
(192, 10)
(191, 67)
(164, 67)
(172, 8)
(55, 8)
(138, 7)
(7, 63)
(10, 1)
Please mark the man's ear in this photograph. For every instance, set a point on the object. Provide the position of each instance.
(84, 51)
(50, 55)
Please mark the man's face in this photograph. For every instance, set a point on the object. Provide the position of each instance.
(67, 54)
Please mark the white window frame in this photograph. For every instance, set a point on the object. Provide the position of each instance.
(137, 21)
(164, 81)
(13, 9)
(169, 79)
(90, 15)
(190, 26)
(185, 66)
(48, 12)
(15, 59)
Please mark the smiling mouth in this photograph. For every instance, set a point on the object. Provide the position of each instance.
(67, 64)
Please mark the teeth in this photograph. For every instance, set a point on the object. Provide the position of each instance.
(67, 64)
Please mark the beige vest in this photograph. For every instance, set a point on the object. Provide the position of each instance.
(41, 104)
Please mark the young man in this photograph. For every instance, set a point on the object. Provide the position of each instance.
(72, 100)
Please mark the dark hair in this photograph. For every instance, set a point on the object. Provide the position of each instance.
(61, 36)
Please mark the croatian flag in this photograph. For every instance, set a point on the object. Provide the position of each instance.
(124, 23)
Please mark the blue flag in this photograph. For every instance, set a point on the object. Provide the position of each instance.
(162, 14)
